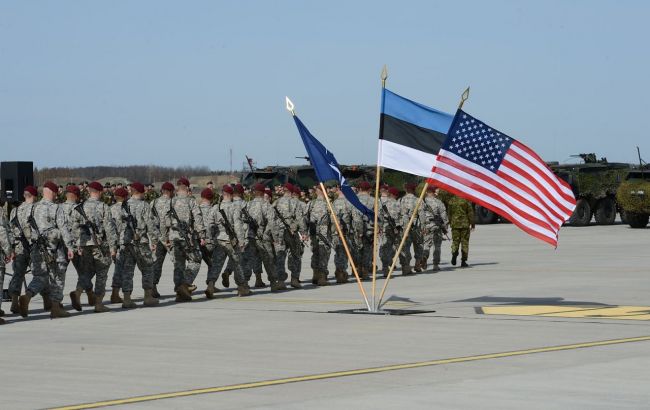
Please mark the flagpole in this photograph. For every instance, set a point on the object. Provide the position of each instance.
(384, 76)
(463, 98)
(345, 245)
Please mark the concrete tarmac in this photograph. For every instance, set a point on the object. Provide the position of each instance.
(285, 351)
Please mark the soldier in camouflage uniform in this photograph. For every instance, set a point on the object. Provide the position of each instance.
(290, 230)
(391, 228)
(461, 221)
(159, 207)
(321, 227)
(363, 229)
(51, 236)
(238, 203)
(6, 251)
(407, 206)
(137, 241)
(150, 193)
(97, 238)
(205, 205)
(434, 222)
(121, 195)
(258, 218)
(343, 211)
(23, 239)
(227, 230)
(71, 200)
(183, 232)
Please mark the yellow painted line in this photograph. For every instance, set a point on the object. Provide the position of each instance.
(312, 301)
(347, 373)
(600, 312)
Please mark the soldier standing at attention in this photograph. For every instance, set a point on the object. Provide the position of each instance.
(159, 208)
(139, 239)
(461, 220)
(6, 251)
(19, 220)
(363, 228)
(343, 211)
(97, 245)
(390, 228)
(434, 223)
(407, 206)
(183, 233)
(205, 205)
(238, 203)
(72, 195)
(48, 226)
(320, 229)
(121, 195)
(289, 229)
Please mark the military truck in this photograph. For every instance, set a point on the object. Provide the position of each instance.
(634, 197)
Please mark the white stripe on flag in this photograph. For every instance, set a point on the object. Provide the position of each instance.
(405, 159)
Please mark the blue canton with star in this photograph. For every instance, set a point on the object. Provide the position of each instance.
(474, 141)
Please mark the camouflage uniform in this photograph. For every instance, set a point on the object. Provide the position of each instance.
(320, 230)
(461, 220)
(6, 245)
(224, 246)
(259, 244)
(118, 263)
(290, 211)
(434, 222)
(68, 211)
(22, 259)
(363, 228)
(135, 244)
(343, 211)
(208, 249)
(95, 259)
(159, 207)
(391, 235)
(187, 256)
(407, 205)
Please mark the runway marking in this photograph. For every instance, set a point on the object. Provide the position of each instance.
(347, 373)
(315, 301)
(600, 312)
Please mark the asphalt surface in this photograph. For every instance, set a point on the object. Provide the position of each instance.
(159, 357)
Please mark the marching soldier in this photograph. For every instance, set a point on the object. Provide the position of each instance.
(290, 231)
(6, 251)
(407, 206)
(138, 240)
(97, 245)
(205, 205)
(258, 218)
(320, 230)
(227, 231)
(390, 228)
(343, 211)
(72, 195)
(19, 220)
(238, 203)
(50, 237)
(461, 221)
(183, 232)
(363, 228)
(159, 208)
(121, 195)
(434, 225)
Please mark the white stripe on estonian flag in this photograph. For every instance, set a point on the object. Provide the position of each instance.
(405, 159)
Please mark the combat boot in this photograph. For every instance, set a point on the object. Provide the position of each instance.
(128, 303)
(463, 264)
(99, 304)
(225, 279)
(149, 298)
(244, 291)
(184, 294)
(2, 313)
(154, 292)
(75, 297)
(322, 279)
(364, 274)
(115, 296)
(210, 290)
(314, 277)
(191, 288)
(23, 304)
(2, 321)
(259, 283)
(92, 300)
(277, 286)
(454, 256)
(57, 311)
(423, 265)
(47, 303)
(436, 268)
(384, 272)
(416, 267)
(14, 304)
(406, 271)
(295, 283)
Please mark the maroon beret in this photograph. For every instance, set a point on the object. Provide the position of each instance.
(137, 186)
(167, 186)
(183, 181)
(31, 190)
(121, 192)
(431, 188)
(73, 189)
(363, 185)
(227, 189)
(297, 190)
(393, 191)
(51, 186)
(96, 186)
(268, 192)
(289, 186)
(259, 188)
(207, 194)
(410, 186)
(239, 188)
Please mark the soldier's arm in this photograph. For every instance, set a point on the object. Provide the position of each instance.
(152, 228)
(470, 214)
(197, 216)
(65, 228)
(109, 228)
(5, 235)
(238, 225)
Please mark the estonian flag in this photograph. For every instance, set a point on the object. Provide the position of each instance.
(410, 134)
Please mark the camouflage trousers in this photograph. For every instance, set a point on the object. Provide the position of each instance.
(48, 280)
(460, 239)
(137, 254)
(290, 246)
(118, 269)
(388, 248)
(340, 257)
(94, 262)
(414, 239)
(158, 260)
(20, 266)
(257, 253)
(2, 273)
(223, 250)
(187, 263)
(364, 253)
(432, 239)
(320, 254)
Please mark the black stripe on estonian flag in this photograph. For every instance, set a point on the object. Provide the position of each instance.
(410, 135)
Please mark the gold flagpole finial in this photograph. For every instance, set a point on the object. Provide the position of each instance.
(290, 106)
(384, 76)
(463, 98)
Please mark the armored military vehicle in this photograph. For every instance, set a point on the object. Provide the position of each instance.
(634, 195)
(302, 175)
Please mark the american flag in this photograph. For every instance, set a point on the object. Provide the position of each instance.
(500, 173)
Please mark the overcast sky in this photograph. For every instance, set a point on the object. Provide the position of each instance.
(181, 82)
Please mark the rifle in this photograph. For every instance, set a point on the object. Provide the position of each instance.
(41, 244)
(131, 222)
(228, 227)
(187, 233)
(252, 224)
(90, 225)
(22, 238)
(391, 222)
(288, 228)
(437, 219)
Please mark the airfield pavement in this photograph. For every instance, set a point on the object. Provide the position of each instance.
(526, 326)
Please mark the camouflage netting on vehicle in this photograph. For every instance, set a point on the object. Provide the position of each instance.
(599, 184)
(634, 196)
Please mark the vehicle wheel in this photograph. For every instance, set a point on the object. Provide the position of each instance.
(485, 216)
(623, 216)
(605, 211)
(582, 214)
(637, 220)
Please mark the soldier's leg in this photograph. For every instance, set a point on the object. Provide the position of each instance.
(427, 244)
(281, 250)
(324, 260)
(144, 259)
(19, 266)
(266, 253)
(2, 283)
(405, 255)
(158, 260)
(385, 252)
(39, 283)
(128, 269)
(294, 262)
(87, 270)
(247, 260)
(179, 264)
(437, 246)
(102, 265)
(465, 245)
(417, 244)
(219, 256)
(455, 243)
(118, 267)
(192, 266)
(57, 278)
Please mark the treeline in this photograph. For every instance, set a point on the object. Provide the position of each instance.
(143, 173)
